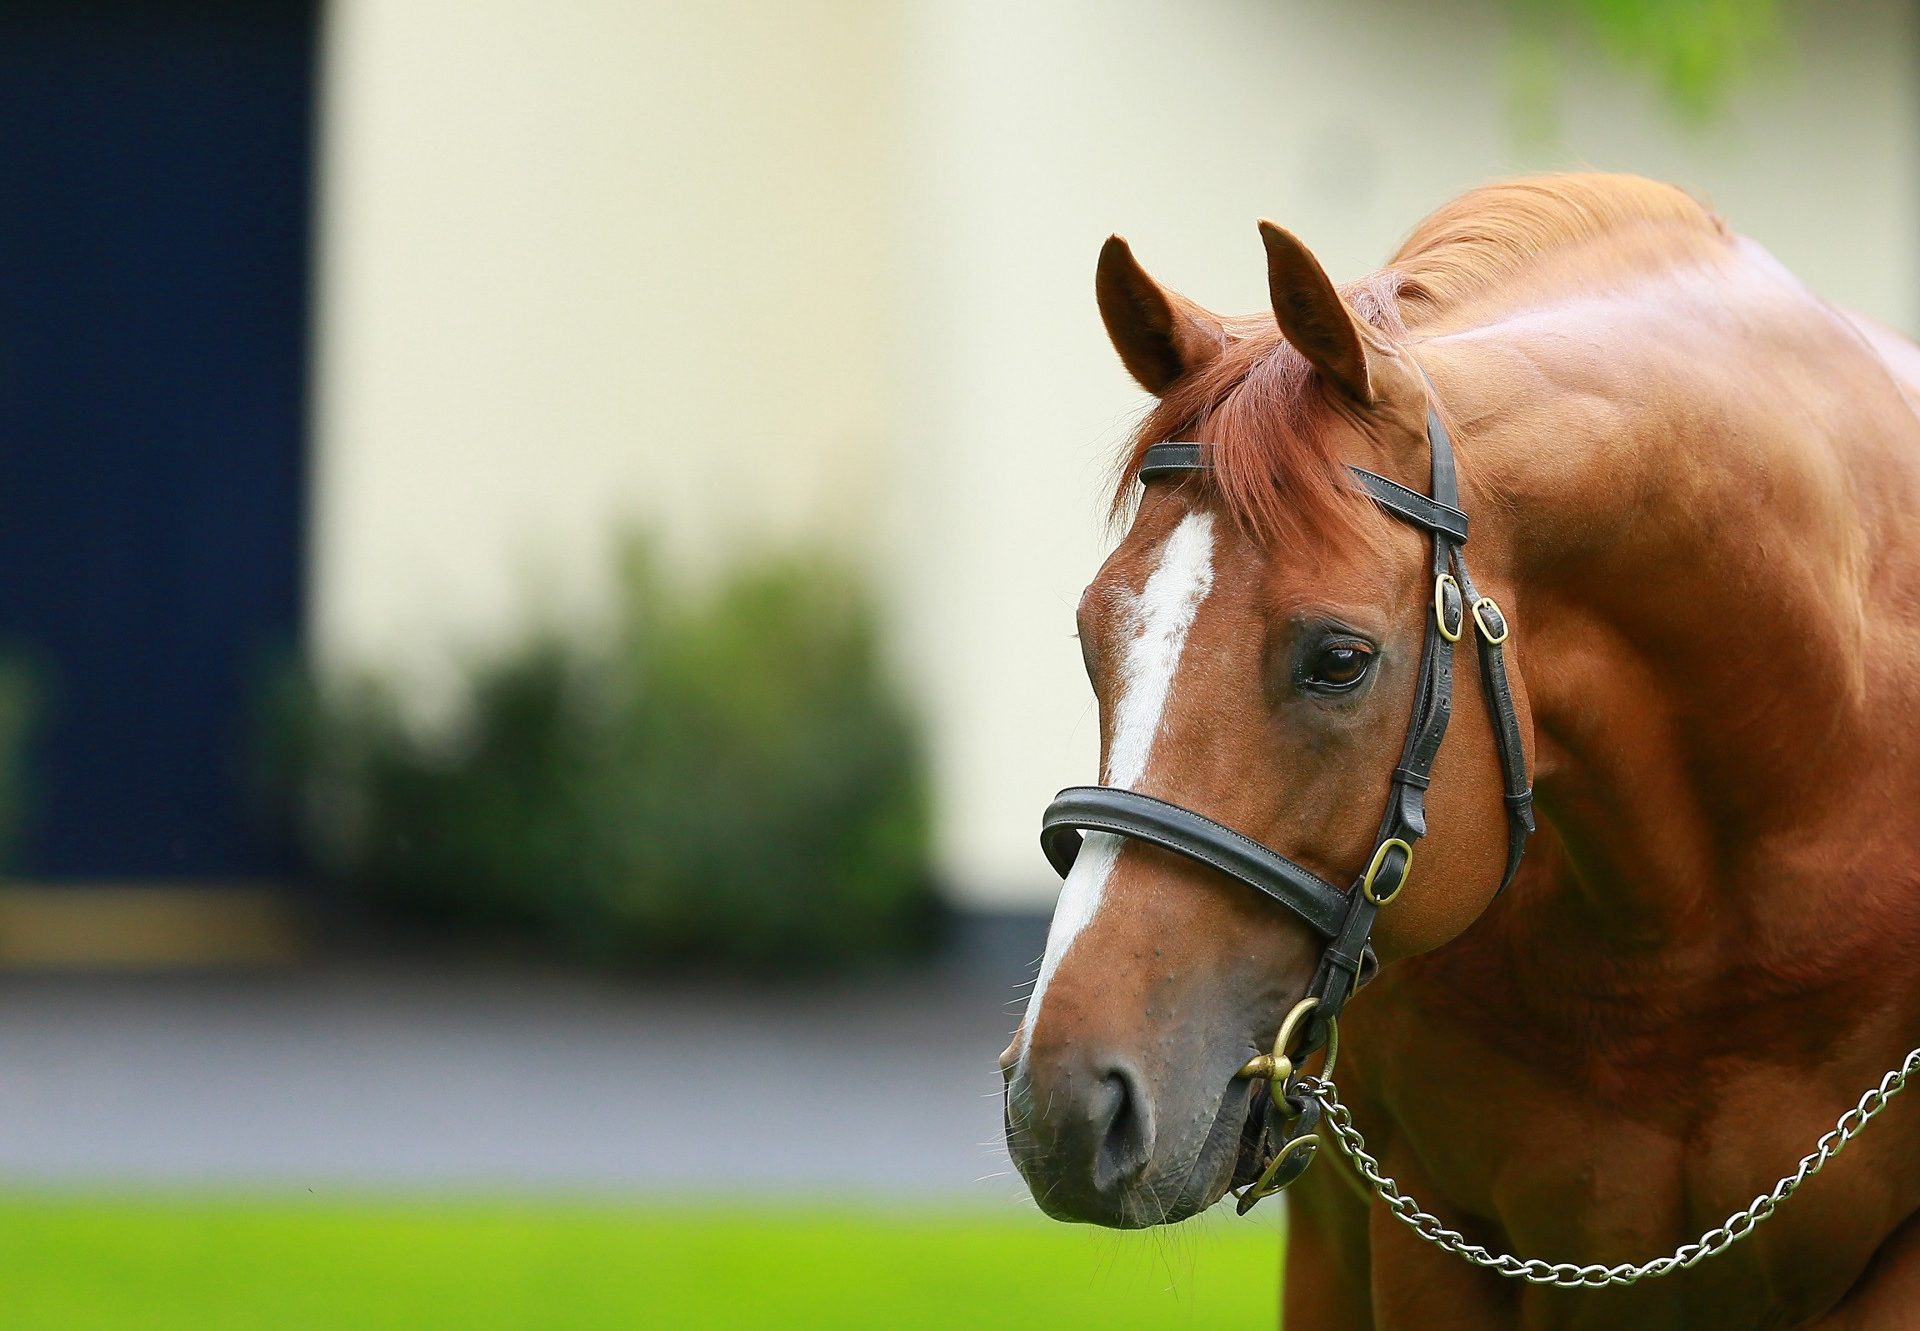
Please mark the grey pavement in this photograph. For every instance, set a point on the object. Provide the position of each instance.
(378, 1074)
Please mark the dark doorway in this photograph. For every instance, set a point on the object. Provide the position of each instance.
(155, 164)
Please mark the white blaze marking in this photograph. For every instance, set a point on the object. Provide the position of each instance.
(1158, 620)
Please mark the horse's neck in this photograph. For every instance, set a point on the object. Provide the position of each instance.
(1721, 620)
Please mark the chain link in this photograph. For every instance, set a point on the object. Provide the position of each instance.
(1568, 1275)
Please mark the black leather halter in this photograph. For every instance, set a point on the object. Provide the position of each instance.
(1343, 918)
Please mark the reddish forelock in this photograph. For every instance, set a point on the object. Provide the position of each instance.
(1271, 429)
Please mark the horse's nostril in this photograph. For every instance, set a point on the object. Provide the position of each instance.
(1126, 1134)
(1081, 1130)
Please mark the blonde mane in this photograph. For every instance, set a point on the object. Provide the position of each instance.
(1260, 405)
(1490, 236)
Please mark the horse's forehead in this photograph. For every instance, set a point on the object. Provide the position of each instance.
(1171, 529)
(1250, 577)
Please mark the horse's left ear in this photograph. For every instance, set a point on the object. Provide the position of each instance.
(1312, 316)
(1161, 336)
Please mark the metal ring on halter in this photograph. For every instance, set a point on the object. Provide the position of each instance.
(1379, 862)
(1442, 604)
(1494, 639)
(1281, 1171)
(1277, 1067)
(1297, 1152)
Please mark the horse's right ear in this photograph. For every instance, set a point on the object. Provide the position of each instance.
(1160, 335)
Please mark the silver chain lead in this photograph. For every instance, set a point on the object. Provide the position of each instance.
(1568, 1275)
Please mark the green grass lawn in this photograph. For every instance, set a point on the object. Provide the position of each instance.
(162, 1262)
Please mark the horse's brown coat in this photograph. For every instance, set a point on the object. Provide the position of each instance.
(1695, 489)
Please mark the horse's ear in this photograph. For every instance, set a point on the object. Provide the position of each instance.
(1311, 314)
(1160, 335)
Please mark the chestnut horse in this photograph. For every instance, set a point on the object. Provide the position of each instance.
(1695, 493)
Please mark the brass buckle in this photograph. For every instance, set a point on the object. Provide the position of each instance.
(1277, 1069)
(1440, 584)
(1480, 621)
(1379, 862)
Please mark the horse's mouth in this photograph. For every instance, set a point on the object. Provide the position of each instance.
(1252, 1157)
(1240, 1127)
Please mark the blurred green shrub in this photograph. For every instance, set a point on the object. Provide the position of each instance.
(16, 708)
(730, 779)
(1697, 52)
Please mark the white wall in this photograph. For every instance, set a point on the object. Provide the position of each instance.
(1036, 129)
(585, 263)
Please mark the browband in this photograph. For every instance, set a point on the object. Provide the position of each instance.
(1414, 507)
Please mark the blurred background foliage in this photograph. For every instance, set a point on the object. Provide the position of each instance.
(1696, 52)
(728, 777)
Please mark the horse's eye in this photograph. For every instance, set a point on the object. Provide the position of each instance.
(1340, 665)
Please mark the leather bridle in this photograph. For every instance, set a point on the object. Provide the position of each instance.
(1344, 919)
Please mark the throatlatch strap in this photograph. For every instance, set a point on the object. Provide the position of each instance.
(1506, 726)
(1494, 683)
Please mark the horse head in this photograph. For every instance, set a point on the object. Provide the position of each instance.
(1257, 643)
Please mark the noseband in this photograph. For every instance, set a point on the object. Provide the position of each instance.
(1344, 919)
